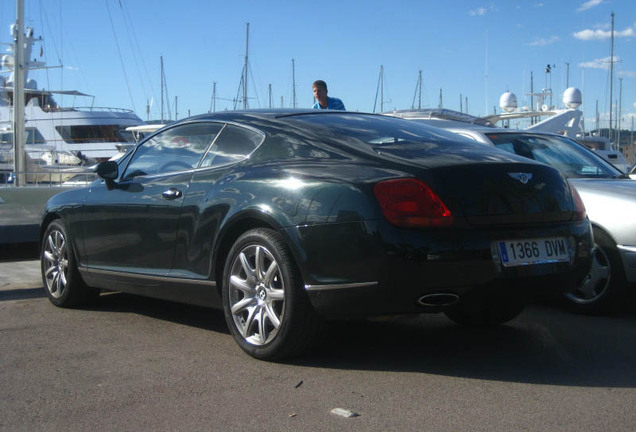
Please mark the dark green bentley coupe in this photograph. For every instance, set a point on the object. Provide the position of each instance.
(285, 219)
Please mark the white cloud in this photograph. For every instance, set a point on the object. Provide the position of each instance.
(602, 63)
(478, 12)
(602, 34)
(481, 11)
(544, 41)
(589, 5)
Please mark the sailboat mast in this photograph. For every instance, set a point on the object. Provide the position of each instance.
(19, 156)
(162, 81)
(213, 100)
(598, 126)
(380, 90)
(611, 79)
(619, 113)
(293, 84)
(245, 65)
(532, 95)
(419, 87)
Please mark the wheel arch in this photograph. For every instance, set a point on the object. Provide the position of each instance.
(601, 235)
(46, 221)
(234, 228)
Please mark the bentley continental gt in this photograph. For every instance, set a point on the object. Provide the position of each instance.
(287, 218)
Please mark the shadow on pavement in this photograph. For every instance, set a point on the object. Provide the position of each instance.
(22, 294)
(543, 346)
(194, 316)
(19, 252)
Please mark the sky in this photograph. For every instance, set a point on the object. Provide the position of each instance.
(468, 53)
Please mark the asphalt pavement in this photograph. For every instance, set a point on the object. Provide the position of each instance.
(19, 268)
(131, 363)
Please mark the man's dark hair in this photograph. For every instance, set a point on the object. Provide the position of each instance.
(320, 84)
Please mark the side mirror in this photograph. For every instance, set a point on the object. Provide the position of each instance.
(107, 170)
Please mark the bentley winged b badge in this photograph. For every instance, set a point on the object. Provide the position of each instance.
(522, 177)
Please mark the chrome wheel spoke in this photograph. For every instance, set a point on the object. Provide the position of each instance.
(48, 257)
(59, 284)
(249, 271)
(270, 274)
(273, 318)
(276, 295)
(262, 326)
(258, 261)
(50, 273)
(242, 285)
(249, 322)
(243, 305)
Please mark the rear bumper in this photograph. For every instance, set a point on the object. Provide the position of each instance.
(379, 269)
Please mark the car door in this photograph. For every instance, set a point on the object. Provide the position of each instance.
(211, 195)
(131, 226)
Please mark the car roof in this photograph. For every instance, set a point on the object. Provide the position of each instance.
(270, 114)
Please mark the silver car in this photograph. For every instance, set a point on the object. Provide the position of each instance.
(608, 194)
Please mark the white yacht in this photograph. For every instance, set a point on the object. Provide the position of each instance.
(55, 134)
(565, 121)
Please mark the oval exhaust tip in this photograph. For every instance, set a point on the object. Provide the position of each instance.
(438, 299)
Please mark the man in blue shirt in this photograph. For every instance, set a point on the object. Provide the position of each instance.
(322, 100)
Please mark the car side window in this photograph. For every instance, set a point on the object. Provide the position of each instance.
(233, 144)
(176, 149)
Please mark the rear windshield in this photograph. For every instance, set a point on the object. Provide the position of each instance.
(571, 158)
(381, 131)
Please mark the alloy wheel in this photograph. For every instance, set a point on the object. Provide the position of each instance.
(257, 294)
(596, 282)
(55, 263)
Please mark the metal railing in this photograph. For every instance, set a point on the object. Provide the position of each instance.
(47, 178)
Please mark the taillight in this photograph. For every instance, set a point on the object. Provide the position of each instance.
(580, 212)
(411, 203)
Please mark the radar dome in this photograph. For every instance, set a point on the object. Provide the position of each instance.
(572, 97)
(7, 61)
(508, 102)
(31, 84)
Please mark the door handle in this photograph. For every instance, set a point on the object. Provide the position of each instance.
(172, 193)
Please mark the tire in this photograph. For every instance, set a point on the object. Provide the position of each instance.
(61, 279)
(488, 311)
(603, 289)
(265, 305)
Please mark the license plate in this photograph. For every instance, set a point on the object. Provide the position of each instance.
(533, 251)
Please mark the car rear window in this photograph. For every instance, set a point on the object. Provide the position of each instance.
(379, 131)
(571, 158)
